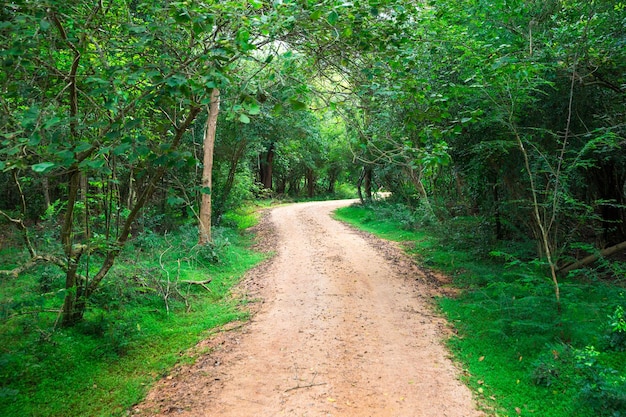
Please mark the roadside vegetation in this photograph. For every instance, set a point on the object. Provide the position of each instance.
(166, 294)
(522, 355)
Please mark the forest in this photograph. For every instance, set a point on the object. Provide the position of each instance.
(137, 135)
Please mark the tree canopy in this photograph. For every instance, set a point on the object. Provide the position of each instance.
(511, 110)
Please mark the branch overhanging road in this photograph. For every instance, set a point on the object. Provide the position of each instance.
(343, 330)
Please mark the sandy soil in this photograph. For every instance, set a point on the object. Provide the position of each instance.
(343, 326)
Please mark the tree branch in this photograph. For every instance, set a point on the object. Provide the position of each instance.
(33, 262)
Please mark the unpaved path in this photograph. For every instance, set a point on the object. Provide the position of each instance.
(344, 329)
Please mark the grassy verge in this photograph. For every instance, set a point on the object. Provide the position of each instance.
(138, 326)
(522, 356)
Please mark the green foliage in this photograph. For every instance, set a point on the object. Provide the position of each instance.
(521, 353)
(617, 328)
(603, 388)
(138, 322)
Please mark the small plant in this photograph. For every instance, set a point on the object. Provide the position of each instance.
(603, 388)
(617, 329)
(551, 368)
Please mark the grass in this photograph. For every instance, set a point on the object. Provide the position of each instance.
(521, 355)
(136, 329)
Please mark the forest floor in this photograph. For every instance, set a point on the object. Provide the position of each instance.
(342, 324)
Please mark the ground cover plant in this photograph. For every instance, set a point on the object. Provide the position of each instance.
(144, 319)
(522, 355)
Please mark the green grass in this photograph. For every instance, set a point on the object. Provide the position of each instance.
(521, 355)
(128, 339)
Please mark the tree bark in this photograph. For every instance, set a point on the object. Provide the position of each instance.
(368, 183)
(204, 226)
(267, 167)
(359, 184)
(230, 180)
(310, 182)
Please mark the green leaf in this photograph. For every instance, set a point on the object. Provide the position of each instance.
(243, 118)
(81, 147)
(205, 190)
(121, 149)
(176, 80)
(297, 104)
(30, 116)
(42, 167)
(256, 4)
(44, 25)
(254, 108)
(333, 17)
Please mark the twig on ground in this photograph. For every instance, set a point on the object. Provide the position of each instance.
(305, 386)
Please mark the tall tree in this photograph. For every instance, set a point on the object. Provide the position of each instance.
(204, 226)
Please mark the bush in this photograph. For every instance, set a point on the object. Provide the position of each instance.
(617, 330)
(552, 368)
(602, 387)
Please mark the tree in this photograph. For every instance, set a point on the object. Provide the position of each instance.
(96, 90)
(204, 222)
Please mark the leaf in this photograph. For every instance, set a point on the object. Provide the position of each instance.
(205, 190)
(256, 4)
(333, 17)
(297, 104)
(119, 150)
(42, 167)
(176, 80)
(254, 108)
(243, 118)
(30, 116)
(44, 25)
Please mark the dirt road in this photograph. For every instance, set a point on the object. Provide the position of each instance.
(344, 329)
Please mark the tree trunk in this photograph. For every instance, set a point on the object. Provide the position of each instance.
(220, 208)
(310, 182)
(333, 175)
(78, 290)
(359, 184)
(45, 184)
(592, 258)
(67, 240)
(204, 226)
(267, 167)
(368, 183)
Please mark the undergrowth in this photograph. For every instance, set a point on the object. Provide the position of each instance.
(522, 356)
(153, 306)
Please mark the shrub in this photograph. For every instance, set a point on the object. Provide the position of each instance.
(617, 329)
(552, 368)
(602, 387)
